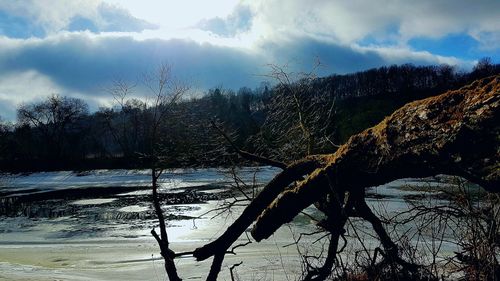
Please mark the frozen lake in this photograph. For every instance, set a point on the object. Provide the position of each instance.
(96, 225)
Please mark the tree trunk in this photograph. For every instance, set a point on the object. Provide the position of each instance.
(455, 133)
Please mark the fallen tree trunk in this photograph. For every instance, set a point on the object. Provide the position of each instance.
(456, 133)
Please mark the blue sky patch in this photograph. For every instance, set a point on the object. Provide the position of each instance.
(458, 45)
(17, 27)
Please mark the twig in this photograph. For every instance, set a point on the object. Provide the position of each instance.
(231, 269)
(247, 155)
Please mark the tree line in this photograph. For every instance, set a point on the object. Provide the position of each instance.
(299, 115)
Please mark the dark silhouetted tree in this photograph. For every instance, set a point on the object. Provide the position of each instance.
(56, 121)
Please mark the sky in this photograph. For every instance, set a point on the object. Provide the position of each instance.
(78, 47)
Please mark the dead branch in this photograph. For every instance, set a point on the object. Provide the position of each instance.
(247, 155)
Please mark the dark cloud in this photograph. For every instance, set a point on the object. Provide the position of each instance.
(302, 52)
(238, 21)
(84, 64)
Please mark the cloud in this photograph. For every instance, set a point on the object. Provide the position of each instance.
(402, 55)
(7, 109)
(18, 87)
(117, 19)
(80, 23)
(27, 86)
(347, 22)
(300, 52)
(240, 20)
(39, 18)
(83, 62)
(77, 47)
(489, 40)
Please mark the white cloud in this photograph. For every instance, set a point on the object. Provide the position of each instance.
(25, 86)
(340, 22)
(237, 22)
(52, 16)
(401, 55)
(84, 61)
(490, 40)
(348, 22)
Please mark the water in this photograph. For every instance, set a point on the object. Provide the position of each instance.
(96, 225)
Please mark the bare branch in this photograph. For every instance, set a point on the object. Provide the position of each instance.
(247, 155)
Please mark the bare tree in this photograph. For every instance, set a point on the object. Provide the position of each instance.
(53, 117)
(300, 121)
(125, 125)
(163, 93)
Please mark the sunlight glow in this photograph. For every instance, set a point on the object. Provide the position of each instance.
(178, 19)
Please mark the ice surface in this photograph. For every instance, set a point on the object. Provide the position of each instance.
(106, 235)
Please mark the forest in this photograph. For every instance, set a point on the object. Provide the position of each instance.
(296, 115)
